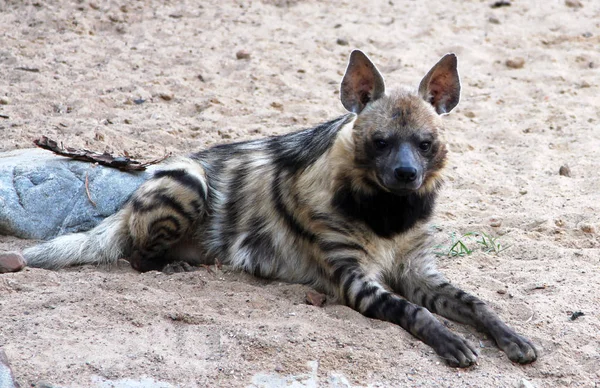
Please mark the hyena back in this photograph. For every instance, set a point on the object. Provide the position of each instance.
(342, 207)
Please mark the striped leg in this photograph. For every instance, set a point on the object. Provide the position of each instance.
(163, 211)
(438, 296)
(370, 297)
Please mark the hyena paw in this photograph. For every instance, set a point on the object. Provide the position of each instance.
(518, 349)
(178, 267)
(456, 351)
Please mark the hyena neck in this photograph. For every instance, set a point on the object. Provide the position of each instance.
(386, 214)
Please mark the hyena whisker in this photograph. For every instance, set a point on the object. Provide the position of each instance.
(342, 206)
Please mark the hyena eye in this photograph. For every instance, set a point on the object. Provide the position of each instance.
(380, 144)
(425, 146)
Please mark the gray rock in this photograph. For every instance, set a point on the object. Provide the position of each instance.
(7, 379)
(43, 195)
(524, 383)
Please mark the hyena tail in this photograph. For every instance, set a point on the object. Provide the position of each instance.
(159, 214)
(105, 244)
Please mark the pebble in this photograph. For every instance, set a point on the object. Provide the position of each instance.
(4, 100)
(495, 222)
(315, 298)
(11, 262)
(587, 228)
(242, 54)
(494, 20)
(166, 96)
(564, 170)
(515, 63)
(500, 3)
(573, 3)
(469, 114)
(342, 42)
(45, 384)
(525, 384)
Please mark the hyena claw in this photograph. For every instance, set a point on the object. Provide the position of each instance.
(455, 350)
(518, 349)
(178, 267)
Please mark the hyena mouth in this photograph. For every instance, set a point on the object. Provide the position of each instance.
(401, 183)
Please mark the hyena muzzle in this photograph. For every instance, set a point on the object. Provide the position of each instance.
(342, 207)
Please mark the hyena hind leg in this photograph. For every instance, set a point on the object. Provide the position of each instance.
(433, 292)
(163, 212)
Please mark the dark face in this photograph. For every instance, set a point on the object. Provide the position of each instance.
(400, 144)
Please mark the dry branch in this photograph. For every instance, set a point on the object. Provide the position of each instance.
(122, 163)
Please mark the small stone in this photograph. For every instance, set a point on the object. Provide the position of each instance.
(584, 85)
(515, 63)
(576, 314)
(4, 100)
(587, 228)
(500, 3)
(501, 292)
(223, 134)
(166, 96)
(494, 20)
(495, 222)
(525, 384)
(342, 42)
(469, 114)
(279, 369)
(277, 105)
(315, 298)
(242, 54)
(564, 170)
(573, 3)
(11, 262)
(45, 384)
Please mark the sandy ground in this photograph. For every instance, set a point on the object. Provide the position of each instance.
(78, 70)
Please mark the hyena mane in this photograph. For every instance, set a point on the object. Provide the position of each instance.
(342, 207)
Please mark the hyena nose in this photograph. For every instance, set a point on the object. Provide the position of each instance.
(406, 174)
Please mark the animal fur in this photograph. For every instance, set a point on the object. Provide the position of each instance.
(342, 207)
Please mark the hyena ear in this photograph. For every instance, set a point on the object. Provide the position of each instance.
(362, 83)
(441, 86)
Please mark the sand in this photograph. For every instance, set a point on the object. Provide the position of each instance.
(151, 77)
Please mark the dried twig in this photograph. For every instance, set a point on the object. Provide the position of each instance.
(87, 190)
(29, 69)
(122, 163)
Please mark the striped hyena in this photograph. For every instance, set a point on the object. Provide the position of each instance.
(342, 207)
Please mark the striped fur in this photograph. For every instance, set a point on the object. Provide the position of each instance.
(342, 207)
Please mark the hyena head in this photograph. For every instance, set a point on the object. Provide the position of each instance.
(396, 136)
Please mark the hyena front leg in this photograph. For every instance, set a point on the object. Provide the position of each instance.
(367, 295)
(163, 211)
(428, 288)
